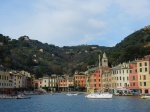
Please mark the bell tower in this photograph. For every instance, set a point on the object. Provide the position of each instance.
(104, 60)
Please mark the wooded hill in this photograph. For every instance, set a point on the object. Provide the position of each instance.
(41, 58)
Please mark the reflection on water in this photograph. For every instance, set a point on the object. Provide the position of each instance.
(64, 103)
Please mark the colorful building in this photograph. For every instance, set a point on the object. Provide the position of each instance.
(6, 84)
(143, 69)
(133, 77)
(79, 81)
(120, 77)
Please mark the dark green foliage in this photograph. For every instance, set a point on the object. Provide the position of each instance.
(132, 47)
(25, 54)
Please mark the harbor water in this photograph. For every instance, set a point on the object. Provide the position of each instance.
(78, 103)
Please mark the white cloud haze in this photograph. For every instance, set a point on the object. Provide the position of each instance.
(74, 22)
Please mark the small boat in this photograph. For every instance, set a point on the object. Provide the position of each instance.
(71, 94)
(99, 96)
(22, 97)
(146, 96)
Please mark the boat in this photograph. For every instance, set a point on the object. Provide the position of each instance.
(99, 96)
(20, 96)
(71, 94)
(51, 93)
(146, 96)
(4, 96)
(124, 92)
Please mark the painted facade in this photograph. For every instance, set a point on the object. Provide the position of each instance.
(144, 75)
(120, 76)
(96, 79)
(133, 77)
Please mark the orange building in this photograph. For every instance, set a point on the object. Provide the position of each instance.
(95, 79)
(79, 81)
(133, 77)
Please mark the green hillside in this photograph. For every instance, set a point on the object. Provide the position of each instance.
(41, 58)
(134, 46)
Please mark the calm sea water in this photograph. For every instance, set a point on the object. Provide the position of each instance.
(64, 103)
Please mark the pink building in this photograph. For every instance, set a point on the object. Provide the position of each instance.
(133, 77)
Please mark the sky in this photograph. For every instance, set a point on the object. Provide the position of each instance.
(73, 22)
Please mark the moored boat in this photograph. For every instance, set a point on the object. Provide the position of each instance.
(146, 96)
(23, 97)
(71, 94)
(99, 96)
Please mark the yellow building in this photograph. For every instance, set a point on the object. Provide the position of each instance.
(143, 75)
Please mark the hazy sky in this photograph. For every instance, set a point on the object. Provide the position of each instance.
(73, 22)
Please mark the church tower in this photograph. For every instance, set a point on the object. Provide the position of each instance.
(104, 60)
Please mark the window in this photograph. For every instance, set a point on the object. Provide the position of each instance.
(145, 63)
(133, 77)
(125, 84)
(140, 83)
(146, 90)
(140, 69)
(140, 77)
(144, 77)
(120, 84)
(130, 71)
(144, 83)
(94, 85)
(145, 69)
(127, 78)
(133, 84)
(140, 64)
(123, 78)
(120, 77)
